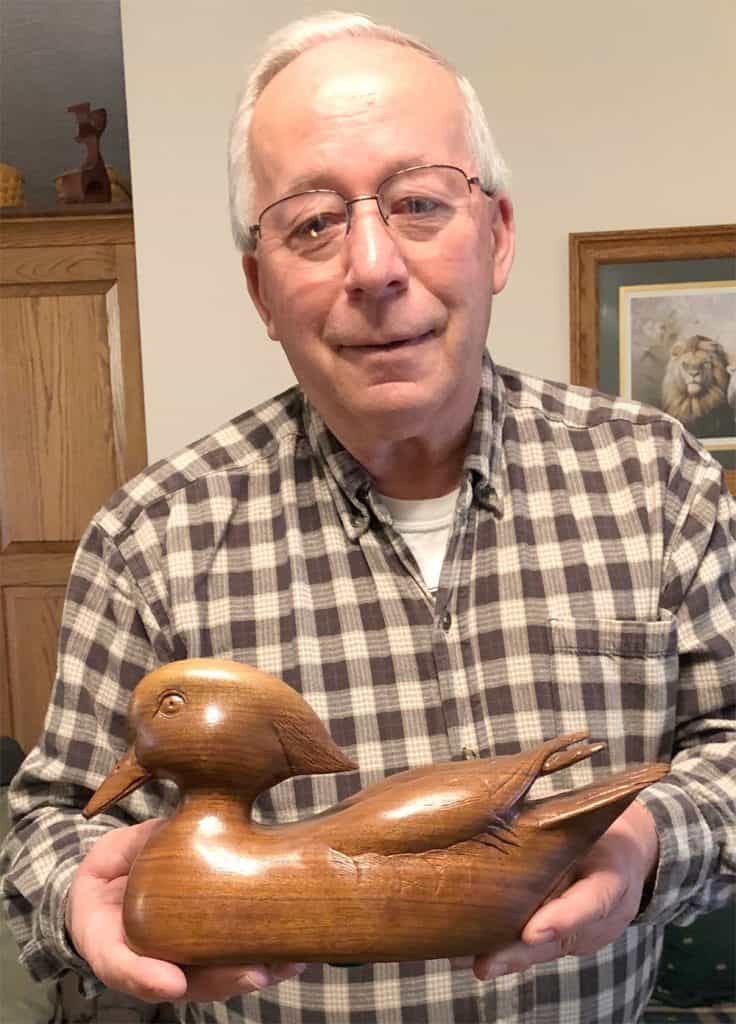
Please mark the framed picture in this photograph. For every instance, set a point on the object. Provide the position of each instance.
(653, 318)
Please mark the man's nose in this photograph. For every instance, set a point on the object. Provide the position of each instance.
(374, 262)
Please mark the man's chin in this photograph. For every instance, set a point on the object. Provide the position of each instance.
(393, 400)
(393, 413)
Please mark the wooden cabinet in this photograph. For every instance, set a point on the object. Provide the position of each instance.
(72, 426)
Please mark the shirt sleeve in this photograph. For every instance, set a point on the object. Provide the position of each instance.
(694, 807)
(108, 640)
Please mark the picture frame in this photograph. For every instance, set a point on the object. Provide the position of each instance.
(653, 318)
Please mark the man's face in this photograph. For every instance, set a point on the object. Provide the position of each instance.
(386, 336)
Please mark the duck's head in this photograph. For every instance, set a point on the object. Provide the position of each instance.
(218, 725)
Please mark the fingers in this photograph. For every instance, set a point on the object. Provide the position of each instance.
(153, 981)
(95, 925)
(459, 963)
(516, 957)
(586, 903)
(94, 919)
(589, 915)
(220, 983)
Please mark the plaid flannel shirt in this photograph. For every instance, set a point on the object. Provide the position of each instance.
(588, 584)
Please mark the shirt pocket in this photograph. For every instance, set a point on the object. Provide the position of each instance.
(617, 679)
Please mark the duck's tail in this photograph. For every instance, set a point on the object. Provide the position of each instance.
(557, 758)
(616, 793)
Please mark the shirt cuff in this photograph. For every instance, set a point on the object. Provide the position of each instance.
(50, 951)
(686, 852)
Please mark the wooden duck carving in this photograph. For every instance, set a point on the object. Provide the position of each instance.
(445, 860)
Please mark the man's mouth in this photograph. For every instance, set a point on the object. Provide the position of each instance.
(391, 345)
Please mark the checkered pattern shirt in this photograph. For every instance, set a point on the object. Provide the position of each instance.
(588, 584)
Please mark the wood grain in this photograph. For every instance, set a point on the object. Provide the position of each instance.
(57, 264)
(36, 564)
(447, 859)
(6, 715)
(54, 362)
(64, 227)
(72, 425)
(127, 381)
(31, 612)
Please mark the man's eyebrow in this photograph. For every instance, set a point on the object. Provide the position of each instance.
(305, 182)
(329, 180)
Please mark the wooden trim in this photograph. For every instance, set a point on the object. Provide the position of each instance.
(67, 229)
(6, 709)
(131, 368)
(31, 669)
(45, 264)
(66, 210)
(590, 250)
(55, 288)
(39, 569)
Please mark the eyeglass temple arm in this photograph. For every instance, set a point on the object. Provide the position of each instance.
(475, 180)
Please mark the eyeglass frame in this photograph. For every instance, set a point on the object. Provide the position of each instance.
(255, 229)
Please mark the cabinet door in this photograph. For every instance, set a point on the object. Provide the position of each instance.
(72, 427)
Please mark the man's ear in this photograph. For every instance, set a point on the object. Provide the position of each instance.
(504, 236)
(255, 290)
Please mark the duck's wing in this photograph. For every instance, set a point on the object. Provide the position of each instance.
(414, 811)
(615, 792)
(436, 806)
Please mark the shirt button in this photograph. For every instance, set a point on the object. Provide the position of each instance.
(446, 621)
(484, 492)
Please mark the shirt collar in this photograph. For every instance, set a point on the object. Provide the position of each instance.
(350, 483)
(348, 480)
(483, 464)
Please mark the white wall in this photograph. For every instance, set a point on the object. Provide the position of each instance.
(612, 115)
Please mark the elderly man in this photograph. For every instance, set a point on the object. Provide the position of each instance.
(447, 558)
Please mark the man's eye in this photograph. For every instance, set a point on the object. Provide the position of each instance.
(313, 228)
(416, 206)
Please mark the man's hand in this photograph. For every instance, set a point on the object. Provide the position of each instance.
(94, 920)
(601, 902)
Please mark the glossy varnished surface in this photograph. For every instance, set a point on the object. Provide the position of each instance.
(445, 860)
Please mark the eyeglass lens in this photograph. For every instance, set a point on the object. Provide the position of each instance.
(417, 204)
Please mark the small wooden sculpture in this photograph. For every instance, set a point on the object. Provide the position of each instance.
(444, 860)
(89, 184)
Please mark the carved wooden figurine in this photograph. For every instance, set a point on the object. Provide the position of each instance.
(444, 860)
(89, 184)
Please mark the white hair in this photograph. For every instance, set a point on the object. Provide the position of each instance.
(289, 43)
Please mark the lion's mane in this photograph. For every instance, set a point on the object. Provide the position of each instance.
(708, 358)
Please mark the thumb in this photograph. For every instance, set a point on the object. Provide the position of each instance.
(113, 854)
(146, 978)
(590, 899)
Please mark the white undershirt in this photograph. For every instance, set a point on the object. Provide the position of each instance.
(425, 526)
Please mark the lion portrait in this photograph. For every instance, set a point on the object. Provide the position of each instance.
(695, 385)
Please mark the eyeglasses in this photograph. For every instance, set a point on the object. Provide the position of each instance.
(416, 203)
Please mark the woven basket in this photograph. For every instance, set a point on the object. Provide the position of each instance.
(11, 186)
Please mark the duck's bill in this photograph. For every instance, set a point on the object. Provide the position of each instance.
(127, 775)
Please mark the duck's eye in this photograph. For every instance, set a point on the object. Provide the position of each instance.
(171, 704)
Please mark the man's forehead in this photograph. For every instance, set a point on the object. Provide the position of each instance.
(344, 89)
(346, 77)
